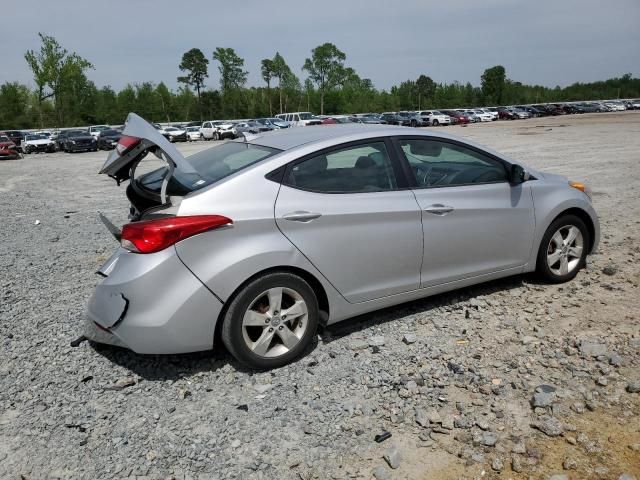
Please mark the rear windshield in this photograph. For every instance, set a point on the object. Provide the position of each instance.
(216, 163)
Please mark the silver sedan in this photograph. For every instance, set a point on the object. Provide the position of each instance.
(258, 242)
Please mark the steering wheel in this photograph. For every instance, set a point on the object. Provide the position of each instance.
(424, 174)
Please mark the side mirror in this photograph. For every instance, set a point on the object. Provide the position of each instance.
(518, 175)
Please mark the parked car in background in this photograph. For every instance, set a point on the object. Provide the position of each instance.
(615, 106)
(519, 113)
(175, 134)
(393, 118)
(368, 119)
(492, 112)
(412, 119)
(45, 133)
(263, 241)
(505, 113)
(457, 117)
(299, 119)
(473, 118)
(336, 119)
(193, 133)
(76, 141)
(434, 118)
(275, 123)
(16, 136)
(94, 130)
(108, 139)
(252, 127)
(37, 143)
(484, 116)
(225, 130)
(8, 149)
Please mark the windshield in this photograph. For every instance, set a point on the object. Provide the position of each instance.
(76, 133)
(4, 138)
(109, 133)
(216, 163)
(99, 128)
(306, 116)
(34, 137)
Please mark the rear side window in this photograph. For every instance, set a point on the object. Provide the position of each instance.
(354, 169)
(440, 164)
(216, 163)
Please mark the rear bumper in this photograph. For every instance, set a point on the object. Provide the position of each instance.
(152, 304)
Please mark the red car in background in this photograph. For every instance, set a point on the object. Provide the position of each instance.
(8, 149)
(457, 117)
(16, 136)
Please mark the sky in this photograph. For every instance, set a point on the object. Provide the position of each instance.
(546, 42)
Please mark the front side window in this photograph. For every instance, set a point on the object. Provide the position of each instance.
(354, 169)
(440, 164)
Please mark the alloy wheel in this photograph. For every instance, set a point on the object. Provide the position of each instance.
(275, 322)
(564, 251)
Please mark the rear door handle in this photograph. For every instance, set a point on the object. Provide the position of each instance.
(438, 209)
(300, 216)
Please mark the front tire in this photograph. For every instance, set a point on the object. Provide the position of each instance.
(435, 122)
(563, 249)
(271, 321)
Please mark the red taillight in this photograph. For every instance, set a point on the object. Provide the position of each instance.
(126, 143)
(151, 236)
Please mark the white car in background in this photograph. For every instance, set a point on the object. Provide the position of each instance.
(218, 130)
(484, 116)
(493, 113)
(193, 134)
(94, 130)
(434, 117)
(299, 119)
(37, 143)
(615, 106)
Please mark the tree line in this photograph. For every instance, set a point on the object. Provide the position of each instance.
(64, 96)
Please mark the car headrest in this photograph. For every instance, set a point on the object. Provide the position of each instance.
(314, 165)
(425, 148)
(365, 162)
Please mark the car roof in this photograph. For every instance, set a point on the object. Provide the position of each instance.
(290, 138)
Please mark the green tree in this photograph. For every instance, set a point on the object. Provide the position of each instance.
(493, 83)
(326, 69)
(281, 71)
(14, 99)
(425, 88)
(232, 75)
(195, 64)
(54, 67)
(165, 97)
(267, 71)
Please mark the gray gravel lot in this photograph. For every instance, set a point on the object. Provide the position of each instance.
(513, 379)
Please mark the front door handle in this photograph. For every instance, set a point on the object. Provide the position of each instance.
(300, 216)
(438, 209)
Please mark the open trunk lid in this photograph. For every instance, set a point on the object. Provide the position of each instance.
(140, 138)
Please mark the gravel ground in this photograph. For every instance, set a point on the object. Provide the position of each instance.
(512, 379)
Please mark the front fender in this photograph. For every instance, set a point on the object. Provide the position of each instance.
(552, 199)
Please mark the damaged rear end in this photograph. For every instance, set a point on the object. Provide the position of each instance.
(148, 295)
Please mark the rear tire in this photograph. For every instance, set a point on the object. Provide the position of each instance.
(563, 249)
(256, 330)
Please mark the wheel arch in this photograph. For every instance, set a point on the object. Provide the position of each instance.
(585, 217)
(314, 283)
